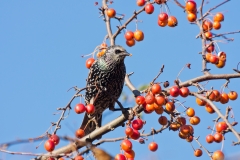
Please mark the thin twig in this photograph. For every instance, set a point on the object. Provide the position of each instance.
(130, 86)
(161, 71)
(179, 4)
(107, 21)
(32, 154)
(218, 35)
(182, 70)
(201, 8)
(31, 140)
(201, 146)
(211, 9)
(67, 107)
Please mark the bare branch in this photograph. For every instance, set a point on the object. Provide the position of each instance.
(186, 65)
(211, 9)
(201, 8)
(67, 107)
(130, 86)
(179, 4)
(218, 35)
(161, 70)
(32, 154)
(209, 77)
(201, 146)
(107, 21)
(31, 140)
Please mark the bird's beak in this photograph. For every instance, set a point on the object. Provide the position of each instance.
(126, 54)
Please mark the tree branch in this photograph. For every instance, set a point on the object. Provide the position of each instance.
(179, 4)
(128, 21)
(122, 138)
(219, 114)
(211, 9)
(107, 21)
(130, 86)
(208, 77)
(218, 35)
(201, 146)
(31, 140)
(93, 135)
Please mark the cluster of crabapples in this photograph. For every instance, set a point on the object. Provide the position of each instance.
(131, 37)
(51, 142)
(81, 108)
(191, 10)
(154, 101)
(54, 139)
(208, 25)
(216, 96)
(164, 19)
(132, 132)
(218, 59)
(50, 146)
(138, 35)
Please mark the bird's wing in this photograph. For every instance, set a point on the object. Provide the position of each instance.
(91, 81)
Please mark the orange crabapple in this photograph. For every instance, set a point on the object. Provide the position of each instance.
(126, 145)
(111, 13)
(149, 8)
(153, 146)
(209, 138)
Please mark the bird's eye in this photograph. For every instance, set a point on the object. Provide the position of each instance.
(118, 51)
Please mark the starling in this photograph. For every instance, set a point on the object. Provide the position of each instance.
(104, 85)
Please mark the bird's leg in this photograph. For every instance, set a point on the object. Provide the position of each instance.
(91, 120)
(124, 110)
(94, 120)
(119, 103)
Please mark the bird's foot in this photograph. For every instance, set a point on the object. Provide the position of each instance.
(124, 110)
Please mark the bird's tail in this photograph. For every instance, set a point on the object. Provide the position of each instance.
(88, 124)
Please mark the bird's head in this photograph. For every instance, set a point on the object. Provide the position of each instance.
(115, 53)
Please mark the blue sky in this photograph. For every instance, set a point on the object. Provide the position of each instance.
(41, 43)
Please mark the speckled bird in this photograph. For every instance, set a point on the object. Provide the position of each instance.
(107, 75)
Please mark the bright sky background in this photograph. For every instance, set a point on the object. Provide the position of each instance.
(41, 43)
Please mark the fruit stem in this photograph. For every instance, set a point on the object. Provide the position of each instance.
(217, 46)
(181, 71)
(225, 85)
(93, 53)
(213, 127)
(167, 9)
(182, 105)
(238, 65)
(222, 144)
(136, 25)
(192, 146)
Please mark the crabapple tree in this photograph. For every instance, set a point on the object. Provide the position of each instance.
(198, 109)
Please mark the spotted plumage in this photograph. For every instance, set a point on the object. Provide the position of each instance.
(107, 76)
